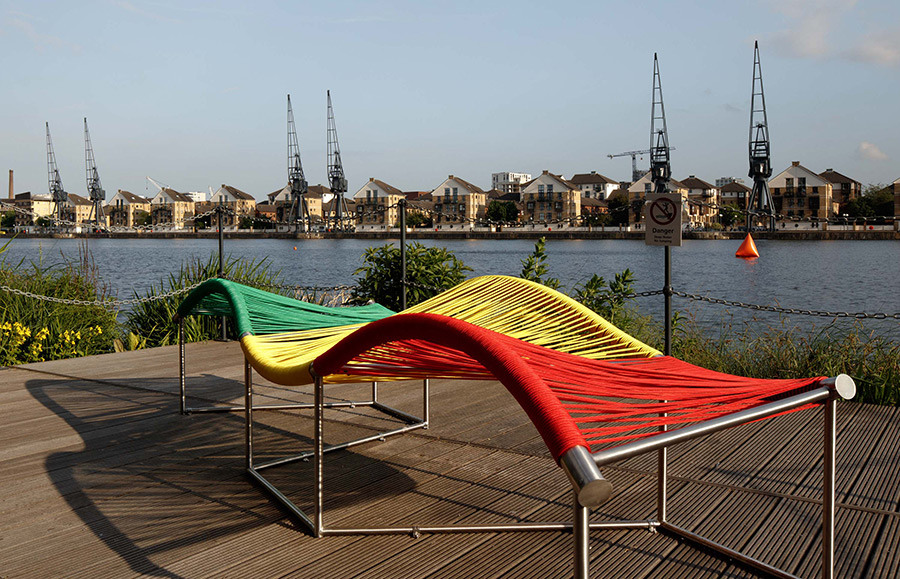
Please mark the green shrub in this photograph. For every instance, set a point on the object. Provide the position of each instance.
(535, 268)
(150, 324)
(429, 270)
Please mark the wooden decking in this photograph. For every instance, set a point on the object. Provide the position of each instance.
(102, 477)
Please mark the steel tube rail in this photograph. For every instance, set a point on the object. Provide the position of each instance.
(399, 414)
(728, 552)
(248, 409)
(581, 533)
(669, 437)
(341, 446)
(426, 410)
(489, 528)
(287, 406)
(283, 500)
(319, 456)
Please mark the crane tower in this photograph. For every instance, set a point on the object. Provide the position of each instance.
(337, 181)
(95, 190)
(660, 168)
(760, 201)
(299, 214)
(57, 193)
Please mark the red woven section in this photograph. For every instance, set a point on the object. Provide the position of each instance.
(571, 400)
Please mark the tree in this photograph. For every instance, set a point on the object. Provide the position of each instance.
(876, 201)
(729, 214)
(429, 270)
(502, 211)
(618, 209)
(416, 219)
(8, 220)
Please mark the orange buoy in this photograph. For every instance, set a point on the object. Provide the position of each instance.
(747, 248)
(295, 248)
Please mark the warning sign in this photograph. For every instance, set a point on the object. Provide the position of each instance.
(663, 217)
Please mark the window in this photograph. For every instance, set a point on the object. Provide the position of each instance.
(646, 187)
(559, 194)
(801, 183)
(540, 188)
(549, 188)
(815, 190)
(446, 191)
(789, 183)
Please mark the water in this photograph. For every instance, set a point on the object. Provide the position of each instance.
(816, 275)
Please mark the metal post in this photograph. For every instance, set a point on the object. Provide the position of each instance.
(248, 409)
(402, 254)
(181, 371)
(581, 535)
(222, 320)
(425, 402)
(319, 457)
(828, 482)
(667, 304)
(374, 392)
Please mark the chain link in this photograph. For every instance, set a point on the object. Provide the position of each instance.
(794, 311)
(110, 303)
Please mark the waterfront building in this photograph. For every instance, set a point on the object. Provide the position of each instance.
(509, 182)
(703, 199)
(458, 202)
(895, 189)
(32, 207)
(376, 205)
(126, 209)
(637, 195)
(800, 193)
(722, 181)
(593, 208)
(170, 208)
(593, 185)
(844, 188)
(265, 211)
(550, 198)
(77, 209)
(734, 193)
(238, 203)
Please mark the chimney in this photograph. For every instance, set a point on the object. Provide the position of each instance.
(12, 196)
(795, 163)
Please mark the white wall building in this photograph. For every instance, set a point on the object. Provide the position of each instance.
(509, 182)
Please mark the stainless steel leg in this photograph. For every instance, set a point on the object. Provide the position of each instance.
(828, 481)
(374, 392)
(248, 410)
(319, 458)
(581, 534)
(661, 474)
(181, 377)
(426, 390)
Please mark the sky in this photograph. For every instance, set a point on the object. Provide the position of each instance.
(194, 94)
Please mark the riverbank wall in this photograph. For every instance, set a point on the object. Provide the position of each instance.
(416, 234)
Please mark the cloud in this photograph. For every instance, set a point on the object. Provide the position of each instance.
(730, 108)
(129, 7)
(870, 151)
(882, 48)
(39, 40)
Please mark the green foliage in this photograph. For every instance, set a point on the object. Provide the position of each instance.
(151, 322)
(729, 215)
(142, 218)
(608, 300)
(534, 267)
(788, 352)
(246, 222)
(876, 200)
(34, 331)
(618, 209)
(596, 219)
(8, 219)
(434, 267)
(502, 211)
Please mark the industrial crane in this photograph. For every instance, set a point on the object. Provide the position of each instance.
(337, 181)
(95, 190)
(57, 194)
(299, 214)
(760, 201)
(158, 184)
(660, 168)
(636, 173)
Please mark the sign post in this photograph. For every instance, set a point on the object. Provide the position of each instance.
(663, 217)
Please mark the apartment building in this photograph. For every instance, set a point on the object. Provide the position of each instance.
(238, 204)
(78, 209)
(593, 185)
(458, 202)
(734, 193)
(170, 208)
(549, 198)
(800, 193)
(509, 182)
(702, 202)
(32, 207)
(376, 205)
(844, 189)
(126, 209)
(638, 191)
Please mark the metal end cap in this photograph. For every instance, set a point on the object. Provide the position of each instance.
(845, 386)
(595, 493)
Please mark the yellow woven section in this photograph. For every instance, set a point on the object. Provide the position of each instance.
(508, 305)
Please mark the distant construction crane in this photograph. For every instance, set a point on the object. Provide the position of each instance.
(95, 190)
(636, 173)
(337, 181)
(760, 201)
(660, 168)
(57, 193)
(159, 185)
(299, 214)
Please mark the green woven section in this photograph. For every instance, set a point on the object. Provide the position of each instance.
(260, 312)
